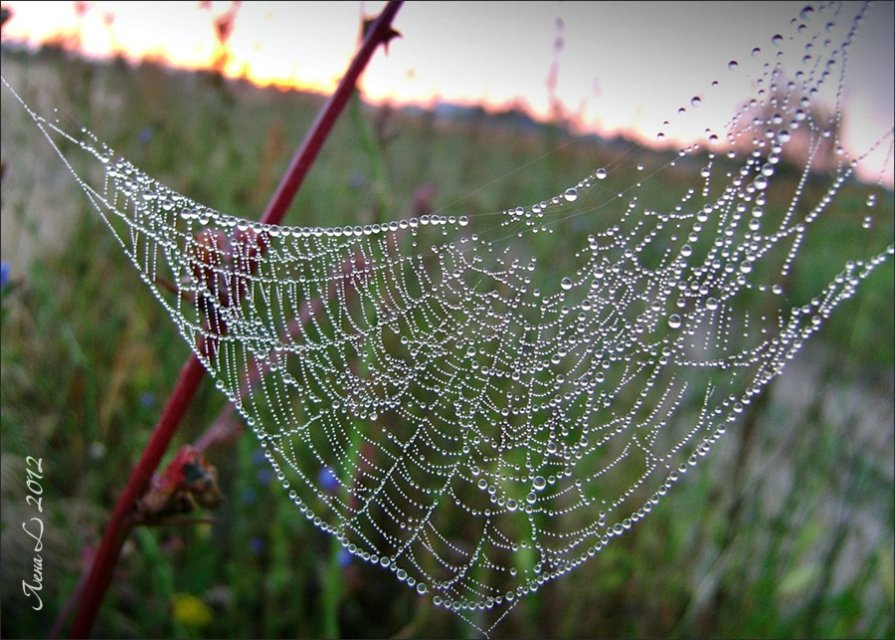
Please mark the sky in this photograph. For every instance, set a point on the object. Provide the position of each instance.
(622, 67)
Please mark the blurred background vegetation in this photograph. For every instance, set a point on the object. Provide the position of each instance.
(787, 530)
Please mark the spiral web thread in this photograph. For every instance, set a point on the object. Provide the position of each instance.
(424, 403)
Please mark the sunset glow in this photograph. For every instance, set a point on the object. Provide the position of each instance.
(618, 68)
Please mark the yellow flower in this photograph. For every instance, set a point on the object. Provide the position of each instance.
(190, 611)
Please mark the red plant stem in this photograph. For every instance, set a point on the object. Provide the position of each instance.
(191, 375)
(119, 524)
(380, 33)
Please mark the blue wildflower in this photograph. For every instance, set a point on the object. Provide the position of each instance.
(356, 180)
(249, 496)
(259, 458)
(265, 476)
(327, 480)
(4, 273)
(344, 557)
(147, 400)
(256, 546)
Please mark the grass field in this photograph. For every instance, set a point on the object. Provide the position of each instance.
(786, 531)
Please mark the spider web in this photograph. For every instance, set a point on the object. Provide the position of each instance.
(420, 398)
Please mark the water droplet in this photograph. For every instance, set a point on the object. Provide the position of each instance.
(776, 40)
(674, 321)
(756, 51)
(871, 200)
(571, 194)
(806, 12)
(463, 222)
(539, 483)
(733, 64)
(695, 101)
(601, 173)
(711, 304)
(566, 283)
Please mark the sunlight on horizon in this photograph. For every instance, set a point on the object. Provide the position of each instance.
(618, 68)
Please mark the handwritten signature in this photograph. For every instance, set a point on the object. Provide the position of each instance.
(34, 527)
